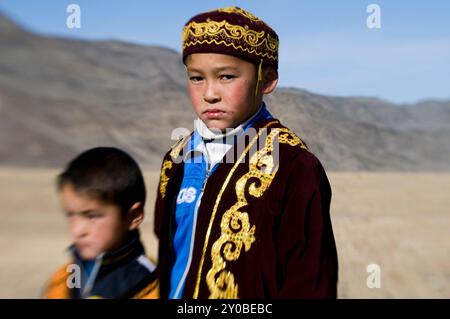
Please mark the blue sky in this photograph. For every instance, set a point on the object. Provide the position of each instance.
(325, 47)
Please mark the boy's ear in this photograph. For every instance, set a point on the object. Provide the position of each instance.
(270, 80)
(136, 215)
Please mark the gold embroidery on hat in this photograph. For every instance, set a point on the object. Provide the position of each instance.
(230, 35)
(239, 11)
(236, 230)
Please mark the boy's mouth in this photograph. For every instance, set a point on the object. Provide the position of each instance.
(82, 246)
(214, 113)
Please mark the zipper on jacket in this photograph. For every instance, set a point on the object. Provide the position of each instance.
(91, 279)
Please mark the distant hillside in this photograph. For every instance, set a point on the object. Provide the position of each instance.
(59, 97)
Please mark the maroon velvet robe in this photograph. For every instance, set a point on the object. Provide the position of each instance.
(263, 228)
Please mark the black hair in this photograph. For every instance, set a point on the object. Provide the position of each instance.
(107, 174)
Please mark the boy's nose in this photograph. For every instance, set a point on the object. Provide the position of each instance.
(79, 228)
(211, 94)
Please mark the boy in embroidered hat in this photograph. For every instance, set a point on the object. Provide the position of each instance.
(103, 194)
(255, 226)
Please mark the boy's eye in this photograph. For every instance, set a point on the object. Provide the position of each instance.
(195, 79)
(92, 215)
(69, 214)
(227, 76)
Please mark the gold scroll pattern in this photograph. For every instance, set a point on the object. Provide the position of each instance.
(236, 230)
(167, 164)
(240, 11)
(223, 32)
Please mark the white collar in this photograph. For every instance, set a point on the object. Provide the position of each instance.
(214, 134)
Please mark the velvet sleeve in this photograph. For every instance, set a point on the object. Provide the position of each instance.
(307, 257)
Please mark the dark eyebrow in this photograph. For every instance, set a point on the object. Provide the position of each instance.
(84, 212)
(219, 69)
(227, 68)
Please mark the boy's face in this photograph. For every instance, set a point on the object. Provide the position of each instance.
(222, 89)
(95, 227)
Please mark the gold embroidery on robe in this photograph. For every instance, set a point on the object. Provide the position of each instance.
(236, 230)
(164, 179)
(167, 164)
(213, 215)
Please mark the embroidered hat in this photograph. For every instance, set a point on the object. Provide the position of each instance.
(234, 31)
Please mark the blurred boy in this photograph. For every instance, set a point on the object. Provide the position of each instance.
(243, 207)
(102, 192)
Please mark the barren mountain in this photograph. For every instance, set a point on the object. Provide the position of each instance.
(60, 96)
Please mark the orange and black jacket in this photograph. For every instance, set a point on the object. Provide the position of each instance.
(125, 273)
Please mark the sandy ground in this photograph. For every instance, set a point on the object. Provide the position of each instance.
(399, 221)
